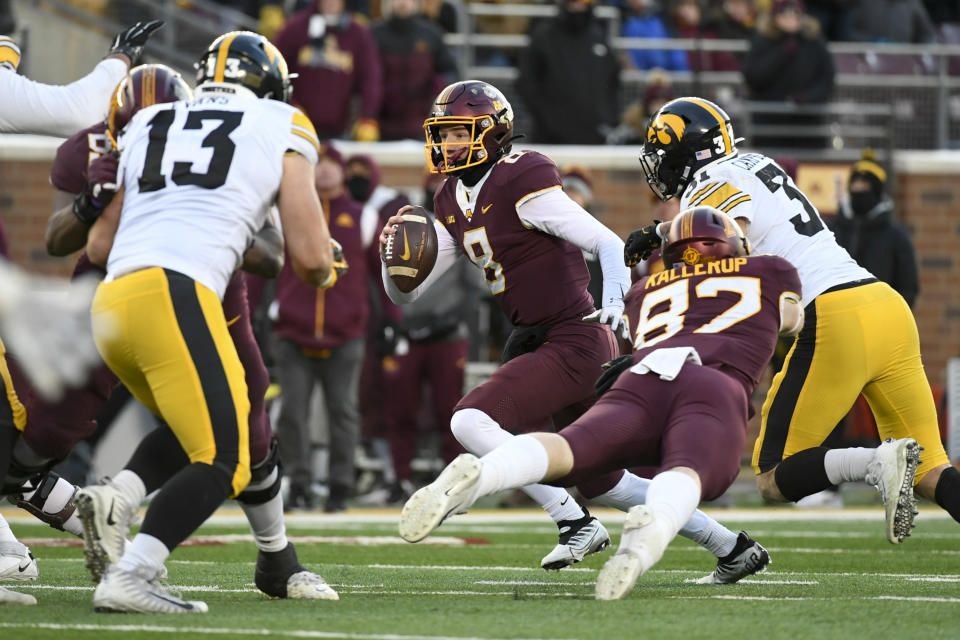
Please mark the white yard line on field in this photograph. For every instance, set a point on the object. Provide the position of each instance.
(292, 633)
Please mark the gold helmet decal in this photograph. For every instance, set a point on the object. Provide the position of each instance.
(666, 128)
(691, 256)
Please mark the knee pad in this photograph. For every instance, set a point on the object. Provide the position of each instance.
(264, 478)
(477, 432)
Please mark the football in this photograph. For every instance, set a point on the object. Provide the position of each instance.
(411, 252)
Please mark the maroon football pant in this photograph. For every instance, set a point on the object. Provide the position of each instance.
(438, 365)
(555, 381)
(698, 420)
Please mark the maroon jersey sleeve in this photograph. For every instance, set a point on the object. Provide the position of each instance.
(530, 173)
(69, 170)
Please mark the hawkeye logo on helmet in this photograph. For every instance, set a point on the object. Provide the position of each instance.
(666, 128)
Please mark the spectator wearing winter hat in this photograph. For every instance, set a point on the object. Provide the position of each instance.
(788, 62)
(866, 229)
(320, 340)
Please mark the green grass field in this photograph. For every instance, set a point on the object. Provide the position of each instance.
(833, 576)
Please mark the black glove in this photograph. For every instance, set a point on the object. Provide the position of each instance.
(99, 189)
(640, 244)
(131, 41)
(612, 371)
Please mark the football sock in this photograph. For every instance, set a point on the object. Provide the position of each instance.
(145, 551)
(519, 461)
(802, 474)
(701, 528)
(266, 518)
(266, 523)
(131, 486)
(947, 493)
(673, 496)
(480, 434)
(157, 458)
(185, 502)
(6, 535)
(847, 465)
(709, 534)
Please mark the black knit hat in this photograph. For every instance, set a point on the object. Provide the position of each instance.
(868, 169)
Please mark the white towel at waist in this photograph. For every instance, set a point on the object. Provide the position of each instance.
(667, 362)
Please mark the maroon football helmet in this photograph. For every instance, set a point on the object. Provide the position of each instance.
(144, 86)
(482, 109)
(703, 234)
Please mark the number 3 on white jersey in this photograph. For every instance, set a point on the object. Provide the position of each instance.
(678, 297)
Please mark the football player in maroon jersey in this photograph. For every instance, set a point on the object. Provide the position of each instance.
(507, 213)
(707, 328)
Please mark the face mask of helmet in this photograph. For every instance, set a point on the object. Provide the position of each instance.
(863, 202)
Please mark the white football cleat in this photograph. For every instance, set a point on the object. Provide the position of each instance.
(641, 546)
(452, 492)
(14, 597)
(17, 563)
(135, 592)
(280, 575)
(891, 472)
(106, 519)
(306, 585)
(578, 539)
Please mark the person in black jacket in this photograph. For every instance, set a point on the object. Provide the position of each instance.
(570, 78)
(788, 62)
(866, 229)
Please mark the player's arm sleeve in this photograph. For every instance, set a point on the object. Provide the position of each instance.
(553, 212)
(447, 254)
(303, 137)
(31, 107)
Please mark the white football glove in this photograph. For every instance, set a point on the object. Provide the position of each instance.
(45, 324)
(610, 315)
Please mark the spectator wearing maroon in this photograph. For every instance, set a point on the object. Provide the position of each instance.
(320, 340)
(363, 180)
(336, 59)
(430, 353)
(416, 65)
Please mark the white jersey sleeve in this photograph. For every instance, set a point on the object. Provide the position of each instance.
(303, 137)
(781, 220)
(31, 107)
(199, 180)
